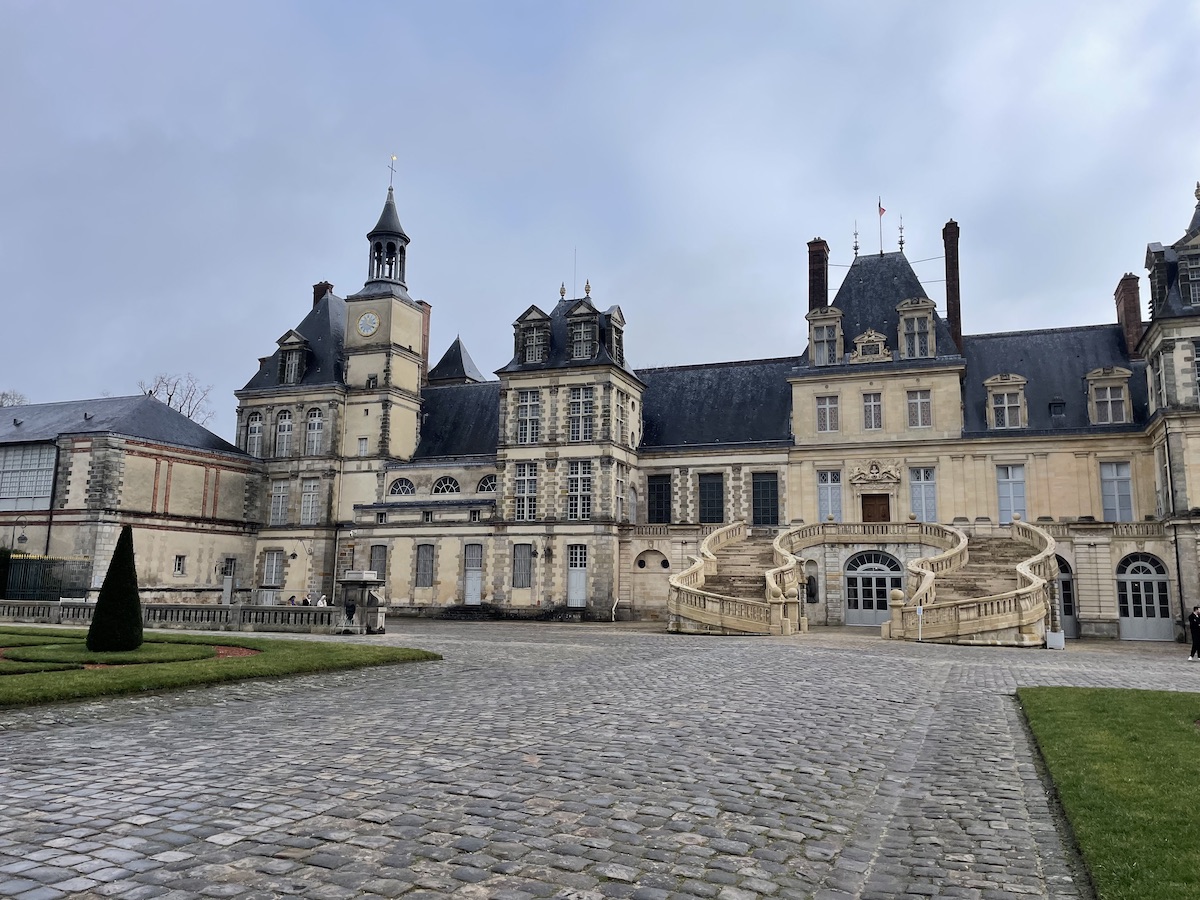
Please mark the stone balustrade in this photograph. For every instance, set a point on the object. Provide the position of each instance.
(198, 617)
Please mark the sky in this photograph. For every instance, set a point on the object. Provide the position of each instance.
(176, 176)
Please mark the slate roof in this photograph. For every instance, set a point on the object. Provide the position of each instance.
(324, 328)
(455, 365)
(1055, 362)
(389, 219)
(873, 287)
(140, 416)
(559, 355)
(746, 402)
(1166, 259)
(459, 420)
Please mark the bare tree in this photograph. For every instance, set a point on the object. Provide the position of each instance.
(183, 393)
(13, 398)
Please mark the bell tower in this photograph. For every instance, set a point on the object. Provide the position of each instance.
(389, 246)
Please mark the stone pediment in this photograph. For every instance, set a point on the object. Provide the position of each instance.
(871, 346)
(884, 473)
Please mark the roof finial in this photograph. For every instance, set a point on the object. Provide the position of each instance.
(856, 238)
(1198, 190)
(901, 234)
(587, 288)
(392, 169)
(562, 291)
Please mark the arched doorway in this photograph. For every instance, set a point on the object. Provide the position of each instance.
(1143, 601)
(870, 577)
(1066, 599)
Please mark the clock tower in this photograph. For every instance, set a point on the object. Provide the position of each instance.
(386, 347)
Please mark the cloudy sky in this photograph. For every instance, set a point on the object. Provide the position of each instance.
(175, 176)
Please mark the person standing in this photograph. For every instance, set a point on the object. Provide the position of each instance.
(1194, 627)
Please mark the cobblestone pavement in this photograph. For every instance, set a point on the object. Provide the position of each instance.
(564, 761)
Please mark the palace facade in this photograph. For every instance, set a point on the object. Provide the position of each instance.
(572, 480)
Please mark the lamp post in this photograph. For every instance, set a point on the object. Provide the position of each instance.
(13, 539)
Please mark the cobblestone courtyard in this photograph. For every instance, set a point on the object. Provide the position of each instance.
(569, 761)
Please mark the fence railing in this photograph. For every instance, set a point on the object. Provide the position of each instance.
(199, 617)
(47, 577)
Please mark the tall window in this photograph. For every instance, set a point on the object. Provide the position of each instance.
(916, 337)
(872, 412)
(1142, 588)
(273, 568)
(313, 432)
(920, 409)
(522, 565)
(764, 488)
(1116, 489)
(254, 431)
(618, 342)
(580, 414)
(1162, 487)
(1010, 485)
(529, 416)
(424, 566)
(658, 500)
(1110, 405)
(279, 502)
(26, 476)
(526, 492)
(1066, 587)
(827, 414)
(363, 446)
(579, 489)
(1006, 410)
(622, 472)
(283, 434)
(825, 345)
(291, 366)
(535, 345)
(378, 563)
(309, 504)
(712, 498)
(1158, 382)
(622, 435)
(583, 340)
(924, 494)
(829, 494)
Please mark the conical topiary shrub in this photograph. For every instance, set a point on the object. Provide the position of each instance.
(117, 624)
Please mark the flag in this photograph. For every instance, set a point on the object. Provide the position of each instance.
(881, 209)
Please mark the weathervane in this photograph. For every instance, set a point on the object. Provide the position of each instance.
(902, 234)
(392, 169)
(856, 238)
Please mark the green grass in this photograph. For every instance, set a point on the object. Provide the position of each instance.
(77, 652)
(25, 687)
(1127, 768)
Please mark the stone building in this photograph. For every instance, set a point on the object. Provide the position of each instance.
(572, 480)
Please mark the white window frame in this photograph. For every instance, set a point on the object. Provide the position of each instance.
(829, 494)
(1116, 491)
(535, 344)
(363, 446)
(310, 492)
(529, 417)
(27, 476)
(583, 339)
(180, 567)
(283, 433)
(314, 432)
(873, 411)
(622, 418)
(525, 492)
(1006, 410)
(825, 341)
(254, 434)
(917, 331)
(581, 414)
(579, 489)
(923, 483)
(273, 568)
(1008, 477)
(423, 565)
(827, 414)
(280, 491)
(522, 576)
(920, 408)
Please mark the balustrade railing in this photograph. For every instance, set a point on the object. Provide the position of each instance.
(689, 601)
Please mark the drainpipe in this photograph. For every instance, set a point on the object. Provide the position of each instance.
(1174, 527)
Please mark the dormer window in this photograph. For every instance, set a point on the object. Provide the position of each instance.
(618, 346)
(291, 367)
(1193, 276)
(1108, 396)
(825, 336)
(583, 339)
(870, 346)
(1006, 402)
(916, 329)
(536, 343)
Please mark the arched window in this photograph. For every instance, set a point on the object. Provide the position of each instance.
(1142, 587)
(283, 434)
(314, 432)
(870, 577)
(487, 485)
(445, 485)
(401, 487)
(254, 434)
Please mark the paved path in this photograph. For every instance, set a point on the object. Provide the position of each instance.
(563, 761)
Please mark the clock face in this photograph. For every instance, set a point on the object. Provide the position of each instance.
(368, 324)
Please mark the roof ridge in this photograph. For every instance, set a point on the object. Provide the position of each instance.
(710, 365)
(1043, 330)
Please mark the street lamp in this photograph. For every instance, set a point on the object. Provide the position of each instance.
(14, 540)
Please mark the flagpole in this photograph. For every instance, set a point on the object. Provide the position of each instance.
(880, 204)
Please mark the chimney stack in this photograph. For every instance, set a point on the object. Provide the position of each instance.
(1129, 312)
(426, 310)
(818, 274)
(320, 289)
(953, 297)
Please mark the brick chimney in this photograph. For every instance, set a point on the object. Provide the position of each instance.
(426, 310)
(1129, 312)
(953, 296)
(320, 289)
(818, 274)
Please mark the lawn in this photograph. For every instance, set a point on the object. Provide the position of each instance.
(1127, 768)
(53, 665)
